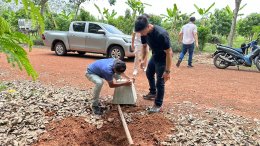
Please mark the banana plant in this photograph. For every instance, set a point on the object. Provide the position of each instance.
(109, 16)
(100, 12)
(174, 15)
(105, 14)
(230, 12)
(204, 12)
(137, 6)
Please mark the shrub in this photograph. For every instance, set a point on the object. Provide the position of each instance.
(203, 34)
(216, 39)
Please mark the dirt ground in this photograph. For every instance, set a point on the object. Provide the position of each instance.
(232, 90)
(75, 131)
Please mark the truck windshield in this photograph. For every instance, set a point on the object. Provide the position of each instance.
(112, 29)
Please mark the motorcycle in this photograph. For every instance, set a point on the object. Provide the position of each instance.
(227, 56)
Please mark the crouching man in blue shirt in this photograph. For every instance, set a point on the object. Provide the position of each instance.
(105, 69)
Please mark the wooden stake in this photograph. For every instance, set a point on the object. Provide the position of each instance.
(129, 138)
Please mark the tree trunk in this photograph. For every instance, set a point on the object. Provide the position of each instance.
(234, 21)
(42, 5)
(52, 18)
(76, 14)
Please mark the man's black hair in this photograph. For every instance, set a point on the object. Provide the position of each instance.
(119, 66)
(146, 15)
(141, 23)
(192, 19)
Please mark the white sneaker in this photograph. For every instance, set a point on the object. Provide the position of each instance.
(135, 72)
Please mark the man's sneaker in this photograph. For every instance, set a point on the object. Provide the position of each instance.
(154, 109)
(149, 96)
(97, 110)
(178, 63)
(190, 66)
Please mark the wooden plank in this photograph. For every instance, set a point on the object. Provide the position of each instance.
(128, 135)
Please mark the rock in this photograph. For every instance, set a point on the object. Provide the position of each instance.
(110, 120)
(99, 126)
(15, 143)
(3, 122)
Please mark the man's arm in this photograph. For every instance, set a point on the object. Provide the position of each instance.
(125, 76)
(168, 59)
(113, 84)
(196, 39)
(180, 37)
(144, 51)
(133, 41)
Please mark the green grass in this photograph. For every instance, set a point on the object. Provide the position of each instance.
(210, 48)
(2, 87)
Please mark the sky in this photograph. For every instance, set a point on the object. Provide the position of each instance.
(186, 6)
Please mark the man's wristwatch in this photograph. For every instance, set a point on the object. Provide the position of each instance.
(167, 71)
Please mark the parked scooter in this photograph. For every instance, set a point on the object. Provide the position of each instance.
(226, 56)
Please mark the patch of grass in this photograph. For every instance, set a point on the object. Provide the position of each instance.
(211, 48)
(2, 87)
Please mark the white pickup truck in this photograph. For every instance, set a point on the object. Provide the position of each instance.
(91, 37)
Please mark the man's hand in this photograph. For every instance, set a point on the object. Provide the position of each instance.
(133, 79)
(142, 65)
(197, 44)
(166, 76)
(132, 48)
(128, 83)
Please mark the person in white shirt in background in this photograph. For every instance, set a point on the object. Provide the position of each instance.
(188, 36)
(137, 48)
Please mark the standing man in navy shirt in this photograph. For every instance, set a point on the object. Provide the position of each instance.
(160, 63)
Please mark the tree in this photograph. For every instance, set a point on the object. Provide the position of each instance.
(155, 20)
(41, 3)
(203, 30)
(220, 22)
(248, 26)
(86, 16)
(234, 22)
(10, 40)
(77, 4)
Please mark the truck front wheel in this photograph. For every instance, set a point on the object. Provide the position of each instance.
(116, 52)
(60, 49)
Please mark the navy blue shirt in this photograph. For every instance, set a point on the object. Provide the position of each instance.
(159, 41)
(103, 68)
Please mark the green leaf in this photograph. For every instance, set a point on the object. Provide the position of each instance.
(242, 7)
(210, 7)
(97, 8)
(196, 7)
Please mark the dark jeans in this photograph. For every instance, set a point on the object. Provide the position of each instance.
(185, 48)
(157, 68)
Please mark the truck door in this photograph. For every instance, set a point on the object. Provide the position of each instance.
(95, 42)
(77, 36)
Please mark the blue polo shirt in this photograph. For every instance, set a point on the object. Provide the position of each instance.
(103, 68)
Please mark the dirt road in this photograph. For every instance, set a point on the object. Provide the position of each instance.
(229, 89)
